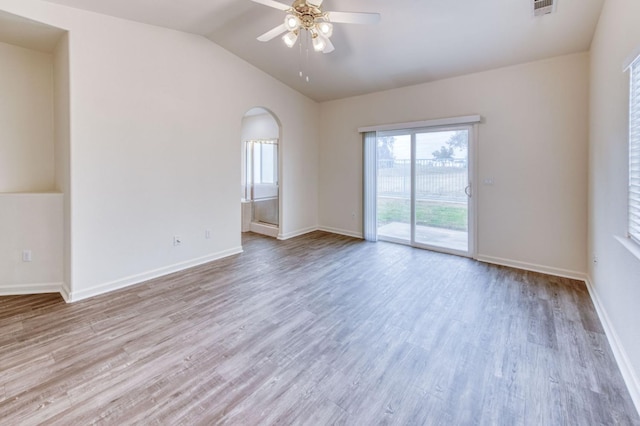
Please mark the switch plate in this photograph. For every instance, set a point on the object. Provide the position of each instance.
(26, 256)
(177, 240)
(207, 234)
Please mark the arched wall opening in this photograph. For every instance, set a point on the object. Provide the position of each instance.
(261, 172)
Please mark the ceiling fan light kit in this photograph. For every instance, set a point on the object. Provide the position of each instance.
(312, 20)
(325, 28)
(319, 43)
(291, 22)
(308, 15)
(290, 38)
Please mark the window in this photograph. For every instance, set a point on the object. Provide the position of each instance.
(634, 152)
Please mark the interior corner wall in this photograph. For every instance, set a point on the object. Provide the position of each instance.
(26, 143)
(532, 142)
(155, 125)
(62, 120)
(615, 278)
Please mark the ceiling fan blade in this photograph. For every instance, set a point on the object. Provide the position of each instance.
(329, 47)
(273, 33)
(353, 17)
(315, 3)
(274, 4)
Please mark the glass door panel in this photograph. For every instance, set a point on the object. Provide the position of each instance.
(441, 186)
(394, 188)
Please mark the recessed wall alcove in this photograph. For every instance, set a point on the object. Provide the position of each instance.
(34, 156)
(260, 182)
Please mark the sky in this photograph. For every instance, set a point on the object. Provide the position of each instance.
(426, 143)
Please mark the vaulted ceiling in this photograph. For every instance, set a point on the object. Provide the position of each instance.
(416, 41)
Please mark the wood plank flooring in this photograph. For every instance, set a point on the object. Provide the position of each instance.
(320, 329)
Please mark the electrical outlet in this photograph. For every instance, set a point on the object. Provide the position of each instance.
(26, 256)
(595, 259)
(488, 181)
(177, 240)
(353, 215)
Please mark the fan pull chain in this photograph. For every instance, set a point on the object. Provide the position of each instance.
(307, 66)
(303, 65)
(300, 73)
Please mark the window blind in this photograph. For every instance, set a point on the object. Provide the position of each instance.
(634, 152)
(370, 186)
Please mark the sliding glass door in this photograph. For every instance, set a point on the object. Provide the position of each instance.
(424, 188)
(394, 187)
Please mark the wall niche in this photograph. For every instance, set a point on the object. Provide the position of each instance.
(34, 156)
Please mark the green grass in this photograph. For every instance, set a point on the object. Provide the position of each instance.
(428, 213)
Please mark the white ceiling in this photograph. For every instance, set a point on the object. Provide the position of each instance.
(416, 41)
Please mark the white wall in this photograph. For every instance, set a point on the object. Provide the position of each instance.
(26, 120)
(532, 141)
(155, 124)
(31, 222)
(615, 279)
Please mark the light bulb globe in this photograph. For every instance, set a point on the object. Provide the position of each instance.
(319, 43)
(291, 22)
(290, 38)
(325, 28)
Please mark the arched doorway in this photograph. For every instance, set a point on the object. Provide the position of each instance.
(260, 147)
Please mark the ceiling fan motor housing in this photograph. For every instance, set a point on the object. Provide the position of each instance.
(307, 13)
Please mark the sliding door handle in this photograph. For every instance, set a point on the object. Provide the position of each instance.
(467, 190)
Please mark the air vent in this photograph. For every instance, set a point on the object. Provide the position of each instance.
(544, 7)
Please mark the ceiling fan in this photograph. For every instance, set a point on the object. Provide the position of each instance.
(308, 15)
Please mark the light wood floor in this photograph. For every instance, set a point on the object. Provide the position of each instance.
(320, 329)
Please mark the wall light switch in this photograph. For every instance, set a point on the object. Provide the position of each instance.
(207, 233)
(177, 240)
(26, 256)
(488, 181)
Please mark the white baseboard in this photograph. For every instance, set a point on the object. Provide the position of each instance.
(628, 374)
(74, 296)
(268, 230)
(341, 232)
(297, 233)
(566, 273)
(32, 288)
(65, 292)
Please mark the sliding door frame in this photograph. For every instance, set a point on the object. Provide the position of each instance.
(471, 178)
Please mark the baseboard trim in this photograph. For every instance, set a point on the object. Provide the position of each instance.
(630, 377)
(297, 233)
(268, 230)
(565, 273)
(31, 288)
(75, 296)
(341, 232)
(65, 292)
